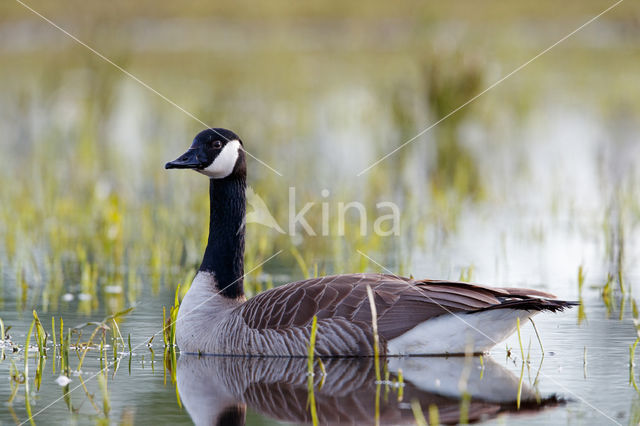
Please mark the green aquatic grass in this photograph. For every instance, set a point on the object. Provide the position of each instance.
(400, 385)
(17, 378)
(632, 354)
(106, 402)
(89, 343)
(376, 337)
(466, 274)
(418, 415)
(55, 343)
(582, 315)
(311, 399)
(170, 364)
(26, 348)
(607, 294)
(537, 377)
(89, 395)
(520, 338)
(64, 353)
(301, 263)
(434, 415)
(37, 377)
(520, 380)
(27, 403)
(376, 413)
(169, 323)
(102, 327)
(37, 332)
(312, 346)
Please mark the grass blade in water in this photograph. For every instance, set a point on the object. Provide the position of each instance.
(376, 338)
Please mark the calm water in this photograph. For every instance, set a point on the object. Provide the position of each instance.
(589, 387)
(530, 184)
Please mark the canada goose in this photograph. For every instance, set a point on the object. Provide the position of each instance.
(414, 316)
(217, 390)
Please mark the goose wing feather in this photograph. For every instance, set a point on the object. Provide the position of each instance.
(401, 303)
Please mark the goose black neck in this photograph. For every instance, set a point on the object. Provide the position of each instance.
(224, 256)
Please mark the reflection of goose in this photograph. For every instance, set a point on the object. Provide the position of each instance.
(217, 390)
(414, 316)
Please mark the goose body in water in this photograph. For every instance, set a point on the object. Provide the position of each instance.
(413, 316)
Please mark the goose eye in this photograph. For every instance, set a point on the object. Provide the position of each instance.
(217, 144)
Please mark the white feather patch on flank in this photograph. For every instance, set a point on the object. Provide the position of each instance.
(225, 162)
(451, 334)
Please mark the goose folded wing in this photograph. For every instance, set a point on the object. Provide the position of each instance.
(401, 303)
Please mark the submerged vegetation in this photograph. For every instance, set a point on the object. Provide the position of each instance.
(58, 352)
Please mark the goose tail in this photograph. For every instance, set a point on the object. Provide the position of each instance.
(533, 304)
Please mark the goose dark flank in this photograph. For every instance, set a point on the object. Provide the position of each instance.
(414, 316)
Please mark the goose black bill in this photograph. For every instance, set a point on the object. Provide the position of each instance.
(188, 160)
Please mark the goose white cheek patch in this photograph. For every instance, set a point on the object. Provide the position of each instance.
(225, 162)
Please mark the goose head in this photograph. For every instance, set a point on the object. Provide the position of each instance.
(216, 153)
